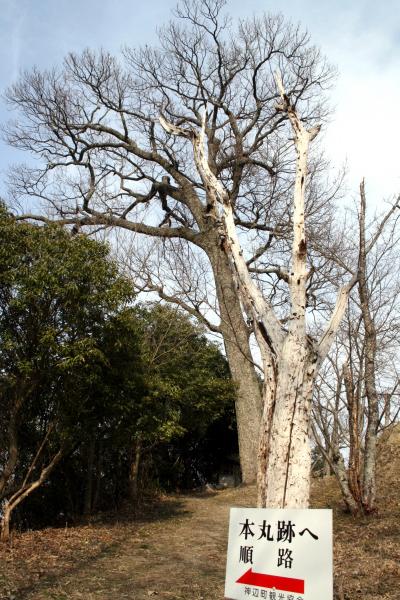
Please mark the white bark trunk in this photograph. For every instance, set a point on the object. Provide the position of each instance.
(290, 359)
(288, 466)
(289, 463)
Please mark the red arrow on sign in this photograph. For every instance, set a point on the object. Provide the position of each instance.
(285, 584)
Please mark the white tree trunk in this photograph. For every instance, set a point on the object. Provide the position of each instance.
(290, 359)
(288, 466)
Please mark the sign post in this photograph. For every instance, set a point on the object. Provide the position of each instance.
(279, 554)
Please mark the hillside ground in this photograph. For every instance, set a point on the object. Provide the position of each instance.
(176, 549)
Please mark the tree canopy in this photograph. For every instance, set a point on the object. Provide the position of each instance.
(84, 373)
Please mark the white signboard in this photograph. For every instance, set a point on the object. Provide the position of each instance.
(279, 554)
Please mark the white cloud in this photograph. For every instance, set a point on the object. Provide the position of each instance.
(366, 127)
(362, 39)
(366, 131)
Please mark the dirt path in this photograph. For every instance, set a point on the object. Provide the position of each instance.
(158, 559)
(179, 554)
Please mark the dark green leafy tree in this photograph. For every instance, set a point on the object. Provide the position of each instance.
(189, 382)
(162, 415)
(56, 294)
(118, 400)
(103, 390)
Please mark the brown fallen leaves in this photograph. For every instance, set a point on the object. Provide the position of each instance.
(177, 549)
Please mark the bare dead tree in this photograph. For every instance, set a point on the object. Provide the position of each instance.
(105, 160)
(291, 359)
(363, 385)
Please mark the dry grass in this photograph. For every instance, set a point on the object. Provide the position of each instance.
(177, 549)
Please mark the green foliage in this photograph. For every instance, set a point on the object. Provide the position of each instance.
(190, 395)
(100, 377)
(117, 386)
(57, 293)
(186, 374)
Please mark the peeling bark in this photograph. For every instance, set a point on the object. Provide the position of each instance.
(288, 469)
(269, 398)
(290, 359)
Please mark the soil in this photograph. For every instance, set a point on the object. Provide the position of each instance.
(177, 549)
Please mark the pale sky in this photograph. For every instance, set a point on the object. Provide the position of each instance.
(362, 38)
